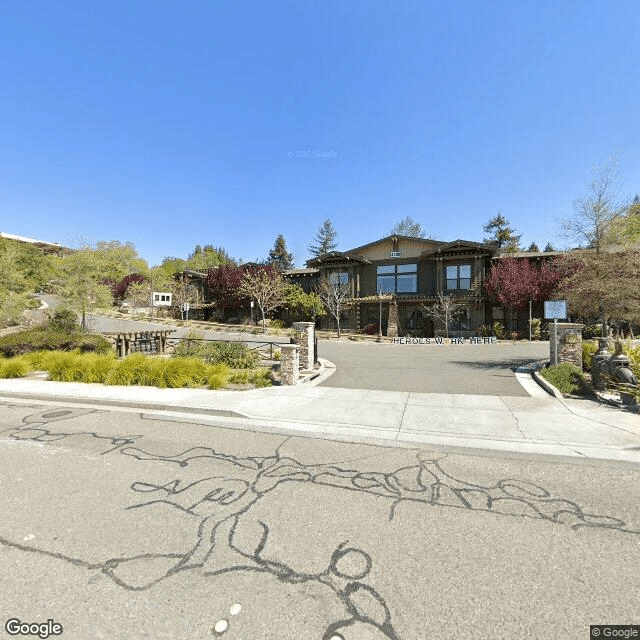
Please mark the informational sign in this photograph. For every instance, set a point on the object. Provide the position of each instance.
(160, 299)
(555, 309)
(185, 306)
(440, 340)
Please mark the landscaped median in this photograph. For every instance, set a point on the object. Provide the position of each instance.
(136, 369)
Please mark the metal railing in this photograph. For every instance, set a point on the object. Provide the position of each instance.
(255, 345)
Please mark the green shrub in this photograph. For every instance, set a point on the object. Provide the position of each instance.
(63, 320)
(591, 331)
(260, 377)
(536, 328)
(498, 330)
(40, 339)
(277, 355)
(633, 353)
(236, 355)
(14, 367)
(565, 377)
(276, 324)
(589, 348)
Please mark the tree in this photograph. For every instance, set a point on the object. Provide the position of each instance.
(603, 284)
(206, 257)
(514, 282)
(443, 311)
(625, 229)
(502, 234)
(303, 306)
(334, 294)
(224, 285)
(265, 285)
(595, 211)
(408, 227)
(325, 239)
(80, 275)
(279, 257)
(533, 247)
(549, 247)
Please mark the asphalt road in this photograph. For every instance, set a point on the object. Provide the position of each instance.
(474, 369)
(125, 526)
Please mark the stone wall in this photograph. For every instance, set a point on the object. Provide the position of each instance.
(305, 338)
(569, 343)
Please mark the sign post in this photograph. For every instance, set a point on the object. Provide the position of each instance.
(555, 310)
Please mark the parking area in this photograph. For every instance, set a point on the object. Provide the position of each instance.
(486, 369)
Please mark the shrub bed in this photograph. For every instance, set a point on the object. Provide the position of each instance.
(236, 355)
(565, 377)
(136, 369)
(40, 339)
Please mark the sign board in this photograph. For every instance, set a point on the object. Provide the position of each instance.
(160, 299)
(185, 306)
(555, 309)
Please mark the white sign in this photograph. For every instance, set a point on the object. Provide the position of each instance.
(160, 299)
(555, 309)
(185, 306)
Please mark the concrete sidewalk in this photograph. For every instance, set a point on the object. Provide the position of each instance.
(535, 424)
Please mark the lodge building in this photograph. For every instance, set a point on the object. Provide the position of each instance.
(397, 279)
(409, 274)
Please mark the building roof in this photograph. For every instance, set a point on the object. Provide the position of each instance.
(460, 244)
(399, 237)
(300, 272)
(47, 246)
(528, 254)
(337, 257)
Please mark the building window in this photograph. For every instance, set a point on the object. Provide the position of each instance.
(339, 277)
(459, 276)
(460, 320)
(397, 278)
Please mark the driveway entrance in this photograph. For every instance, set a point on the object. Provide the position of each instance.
(469, 369)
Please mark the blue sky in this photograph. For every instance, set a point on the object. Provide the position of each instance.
(170, 124)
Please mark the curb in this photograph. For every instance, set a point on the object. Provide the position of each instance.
(546, 385)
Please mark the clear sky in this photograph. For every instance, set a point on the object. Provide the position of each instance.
(175, 123)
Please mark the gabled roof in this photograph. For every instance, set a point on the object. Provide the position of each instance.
(300, 272)
(448, 247)
(336, 257)
(399, 237)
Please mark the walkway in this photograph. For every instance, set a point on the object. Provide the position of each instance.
(537, 423)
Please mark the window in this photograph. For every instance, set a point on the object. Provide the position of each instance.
(339, 277)
(459, 276)
(397, 278)
(460, 320)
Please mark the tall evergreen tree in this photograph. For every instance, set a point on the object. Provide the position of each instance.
(533, 247)
(409, 227)
(325, 239)
(502, 234)
(279, 256)
(549, 247)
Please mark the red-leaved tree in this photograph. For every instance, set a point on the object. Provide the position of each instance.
(225, 284)
(514, 282)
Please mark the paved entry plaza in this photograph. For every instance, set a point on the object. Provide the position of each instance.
(478, 369)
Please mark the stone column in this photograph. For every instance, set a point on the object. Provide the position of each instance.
(305, 338)
(569, 343)
(392, 324)
(290, 364)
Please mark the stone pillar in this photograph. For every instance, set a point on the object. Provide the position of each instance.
(305, 339)
(290, 364)
(392, 324)
(569, 343)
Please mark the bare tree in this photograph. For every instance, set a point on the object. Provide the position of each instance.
(595, 211)
(267, 287)
(334, 294)
(443, 310)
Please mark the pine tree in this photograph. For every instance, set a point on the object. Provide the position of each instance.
(549, 247)
(533, 247)
(503, 236)
(325, 239)
(408, 227)
(279, 257)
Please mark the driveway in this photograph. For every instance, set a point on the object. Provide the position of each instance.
(457, 369)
